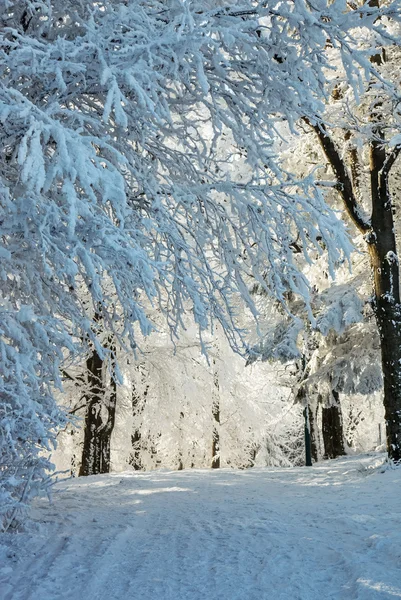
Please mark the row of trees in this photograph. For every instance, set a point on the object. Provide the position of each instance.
(176, 411)
(120, 122)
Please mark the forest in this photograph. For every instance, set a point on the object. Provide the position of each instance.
(200, 311)
(199, 212)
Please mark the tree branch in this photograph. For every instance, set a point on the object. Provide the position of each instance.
(76, 409)
(78, 379)
(343, 178)
(355, 167)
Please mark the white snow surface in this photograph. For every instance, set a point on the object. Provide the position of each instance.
(329, 531)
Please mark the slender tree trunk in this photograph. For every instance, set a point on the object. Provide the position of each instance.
(313, 432)
(216, 420)
(354, 418)
(73, 470)
(180, 466)
(134, 459)
(332, 429)
(310, 405)
(311, 438)
(138, 405)
(308, 447)
(216, 437)
(111, 403)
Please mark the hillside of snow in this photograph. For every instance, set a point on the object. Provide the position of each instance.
(329, 531)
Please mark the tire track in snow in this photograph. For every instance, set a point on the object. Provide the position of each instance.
(226, 536)
(24, 588)
(198, 548)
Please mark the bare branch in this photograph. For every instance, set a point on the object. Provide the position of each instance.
(342, 175)
(78, 379)
(76, 409)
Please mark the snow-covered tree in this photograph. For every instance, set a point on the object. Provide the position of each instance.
(362, 144)
(114, 197)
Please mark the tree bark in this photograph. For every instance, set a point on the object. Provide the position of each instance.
(99, 418)
(387, 306)
(312, 408)
(313, 433)
(108, 428)
(332, 429)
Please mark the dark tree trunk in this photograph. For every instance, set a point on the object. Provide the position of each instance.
(99, 418)
(108, 428)
(308, 446)
(332, 429)
(91, 459)
(312, 438)
(313, 433)
(388, 316)
(387, 306)
(216, 420)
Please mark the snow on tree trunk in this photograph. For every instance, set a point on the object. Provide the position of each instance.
(99, 418)
(385, 267)
(313, 430)
(138, 405)
(387, 307)
(216, 419)
(180, 457)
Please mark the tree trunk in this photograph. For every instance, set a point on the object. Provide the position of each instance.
(180, 465)
(385, 267)
(388, 317)
(311, 438)
(134, 459)
(313, 433)
(99, 419)
(216, 419)
(332, 429)
(138, 404)
(111, 416)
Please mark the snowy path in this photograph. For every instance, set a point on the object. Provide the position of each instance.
(331, 531)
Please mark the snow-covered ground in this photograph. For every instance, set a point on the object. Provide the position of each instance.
(330, 531)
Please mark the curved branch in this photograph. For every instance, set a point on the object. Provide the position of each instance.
(343, 178)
